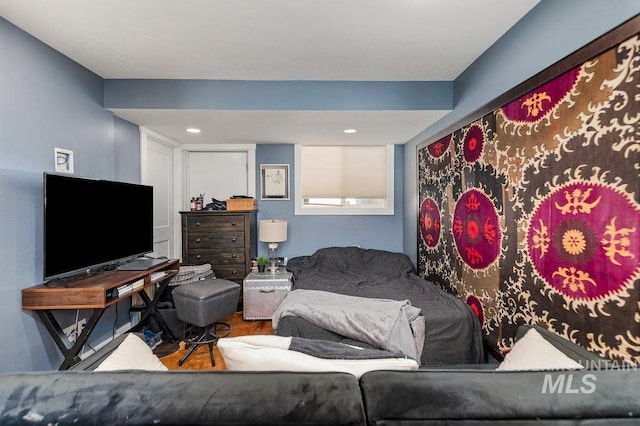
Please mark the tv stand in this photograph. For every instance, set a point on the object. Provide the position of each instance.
(96, 293)
(57, 281)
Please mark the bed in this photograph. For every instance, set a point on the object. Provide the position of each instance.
(452, 333)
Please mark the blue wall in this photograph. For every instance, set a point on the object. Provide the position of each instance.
(47, 101)
(278, 95)
(306, 234)
(548, 33)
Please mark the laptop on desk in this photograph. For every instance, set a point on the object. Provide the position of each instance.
(141, 264)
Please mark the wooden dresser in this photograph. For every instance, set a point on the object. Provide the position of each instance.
(225, 239)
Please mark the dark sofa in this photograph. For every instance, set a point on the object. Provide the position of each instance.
(379, 397)
(461, 395)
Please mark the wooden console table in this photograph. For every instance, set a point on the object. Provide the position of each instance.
(95, 293)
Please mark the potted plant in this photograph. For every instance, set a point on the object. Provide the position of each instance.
(262, 263)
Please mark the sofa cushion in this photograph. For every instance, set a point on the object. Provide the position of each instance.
(132, 354)
(267, 352)
(534, 352)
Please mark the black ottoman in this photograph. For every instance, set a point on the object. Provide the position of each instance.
(203, 304)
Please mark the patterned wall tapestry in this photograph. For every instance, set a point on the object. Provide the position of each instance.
(531, 213)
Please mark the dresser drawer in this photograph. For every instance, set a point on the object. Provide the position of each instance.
(217, 256)
(226, 239)
(197, 223)
(232, 273)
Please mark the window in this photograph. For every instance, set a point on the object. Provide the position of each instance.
(344, 180)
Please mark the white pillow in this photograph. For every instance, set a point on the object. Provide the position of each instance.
(132, 354)
(271, 353)
(534, 352)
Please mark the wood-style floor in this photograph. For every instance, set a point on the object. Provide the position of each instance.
(199, 359)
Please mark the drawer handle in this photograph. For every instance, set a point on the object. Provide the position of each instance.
(271, 290)
(234, 273)
(198, 256)
(233, 256)
(233, 240)
(233, 224)
(197, 223)
(197, 240)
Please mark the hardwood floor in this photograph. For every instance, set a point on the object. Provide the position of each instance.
(199, 359)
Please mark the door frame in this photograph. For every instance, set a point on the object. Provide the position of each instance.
(180, 165)
(147, 134)
(249, 149)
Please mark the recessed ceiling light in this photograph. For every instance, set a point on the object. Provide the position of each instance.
(349, 130)
(193, 130)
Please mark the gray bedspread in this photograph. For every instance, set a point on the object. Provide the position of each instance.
(393, 325)
(452, 332)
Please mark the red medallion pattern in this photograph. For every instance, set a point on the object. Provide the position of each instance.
(535, 105)
(583, 241)
(438, 148)
(473, 144)
(476, 229)
(430, 222)
(476, 307)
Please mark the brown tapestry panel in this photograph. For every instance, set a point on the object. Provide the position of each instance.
(532, 213)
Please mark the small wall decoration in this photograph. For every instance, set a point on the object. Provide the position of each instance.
(63, 160)
(530, 211)
(274, 179)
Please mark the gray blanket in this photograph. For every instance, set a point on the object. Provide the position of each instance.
(336, 350)
(392, 325)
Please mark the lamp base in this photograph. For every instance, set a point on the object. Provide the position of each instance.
(273, 258)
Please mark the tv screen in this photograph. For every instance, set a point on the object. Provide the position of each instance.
(91, 223)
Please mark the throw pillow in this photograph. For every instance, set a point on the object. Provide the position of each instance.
(534, 352)
(132, 354)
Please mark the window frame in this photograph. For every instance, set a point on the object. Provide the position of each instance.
(301, 209)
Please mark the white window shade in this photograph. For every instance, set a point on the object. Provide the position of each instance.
(344, 171)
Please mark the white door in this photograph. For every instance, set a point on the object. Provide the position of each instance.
(218, 174)
(159, 173)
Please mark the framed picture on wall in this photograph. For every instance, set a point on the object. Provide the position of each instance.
(274, 181)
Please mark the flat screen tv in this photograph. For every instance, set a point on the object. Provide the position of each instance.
(90, 224)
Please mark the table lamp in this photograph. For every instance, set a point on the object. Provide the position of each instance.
(273, 231)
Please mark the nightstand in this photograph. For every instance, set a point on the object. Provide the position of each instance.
(263, 292)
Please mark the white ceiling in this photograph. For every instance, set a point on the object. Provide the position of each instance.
(347, 40)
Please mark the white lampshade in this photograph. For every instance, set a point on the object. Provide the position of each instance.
(273, 231)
